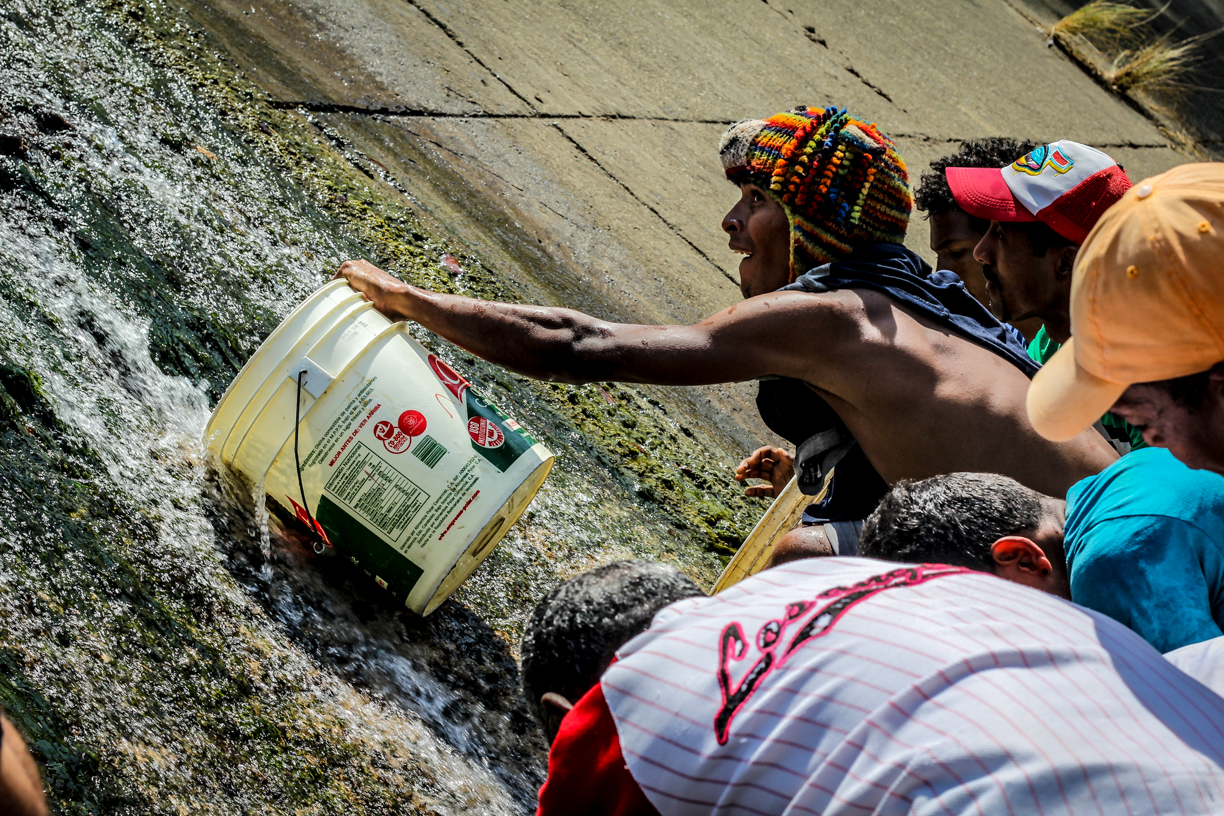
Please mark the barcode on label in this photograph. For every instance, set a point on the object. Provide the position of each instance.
(429, 450)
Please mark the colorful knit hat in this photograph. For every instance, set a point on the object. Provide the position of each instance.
(842, 183)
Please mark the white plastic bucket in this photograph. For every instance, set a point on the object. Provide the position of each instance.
(406, 470)
(268, 356)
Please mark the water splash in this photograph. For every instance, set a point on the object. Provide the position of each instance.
(171, 646)
(84, 205)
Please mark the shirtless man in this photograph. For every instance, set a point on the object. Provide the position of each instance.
(918, 395)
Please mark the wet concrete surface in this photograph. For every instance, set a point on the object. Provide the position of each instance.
(593, 126)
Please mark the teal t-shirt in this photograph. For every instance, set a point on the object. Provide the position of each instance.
(1145, 545)
(1042, 349)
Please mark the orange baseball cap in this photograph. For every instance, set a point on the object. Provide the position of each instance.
(1147, 299)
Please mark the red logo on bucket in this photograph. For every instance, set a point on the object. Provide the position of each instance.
(484, 433)
(305, 518)
(449, 377)
(412, 423)
(393, 439)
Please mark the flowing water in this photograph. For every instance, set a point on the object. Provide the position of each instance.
(165, 645)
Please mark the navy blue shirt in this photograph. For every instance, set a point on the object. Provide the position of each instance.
(939, 296)
(1145, 546)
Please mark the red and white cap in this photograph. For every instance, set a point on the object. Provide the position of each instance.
(1064, 184)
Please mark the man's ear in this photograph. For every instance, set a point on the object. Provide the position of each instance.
(1021, 560)
(555, 706)
(1066, 261)
(554, 702)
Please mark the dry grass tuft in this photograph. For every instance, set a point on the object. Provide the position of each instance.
(1185, 143)
(1115, 42)
(1161, 66)
(1104, 22)
(1140, 63)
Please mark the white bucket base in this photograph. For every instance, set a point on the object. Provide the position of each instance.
(487, 539)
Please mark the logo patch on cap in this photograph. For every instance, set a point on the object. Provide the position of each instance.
(1043, 157)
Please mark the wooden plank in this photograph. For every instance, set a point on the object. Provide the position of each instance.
(779, 519)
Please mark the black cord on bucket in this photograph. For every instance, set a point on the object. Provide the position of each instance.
(320, 545)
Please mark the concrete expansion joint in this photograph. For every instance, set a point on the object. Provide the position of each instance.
(878, 90)
(672, 227)
(1131, 145)
(929, 139)
(809, 31)
(392, 112)
(445, 29)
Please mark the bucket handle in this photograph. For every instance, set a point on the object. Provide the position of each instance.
(320, 544)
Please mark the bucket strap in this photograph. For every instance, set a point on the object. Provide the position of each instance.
(816, 457)
(319, 543)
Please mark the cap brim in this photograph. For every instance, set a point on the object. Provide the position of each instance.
(982, 192)
(1064, 399)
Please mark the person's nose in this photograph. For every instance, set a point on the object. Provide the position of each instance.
(983, 253)
(732, 222)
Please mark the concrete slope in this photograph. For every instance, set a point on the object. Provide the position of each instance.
(573, 144)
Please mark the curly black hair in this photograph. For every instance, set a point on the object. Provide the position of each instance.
(934, 197)
(575, 631)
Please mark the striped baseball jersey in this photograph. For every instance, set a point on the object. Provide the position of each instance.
(846, 686)
(1204, 661)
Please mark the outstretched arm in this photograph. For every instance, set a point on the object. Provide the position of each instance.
(752, 339)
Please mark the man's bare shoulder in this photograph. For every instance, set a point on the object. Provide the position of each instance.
(822, 312)
(792, 334)
(833, 340)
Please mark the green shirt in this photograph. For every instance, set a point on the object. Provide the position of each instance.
(1042, 349)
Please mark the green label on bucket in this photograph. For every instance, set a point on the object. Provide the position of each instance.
(351, 538)
(494, 435)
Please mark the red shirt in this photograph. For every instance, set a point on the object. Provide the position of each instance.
(586, 770)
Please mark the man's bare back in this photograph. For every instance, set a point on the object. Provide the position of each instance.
(920, 400)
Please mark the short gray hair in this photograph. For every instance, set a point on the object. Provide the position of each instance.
(952, 519)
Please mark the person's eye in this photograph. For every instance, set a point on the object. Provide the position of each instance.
(957, 254)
